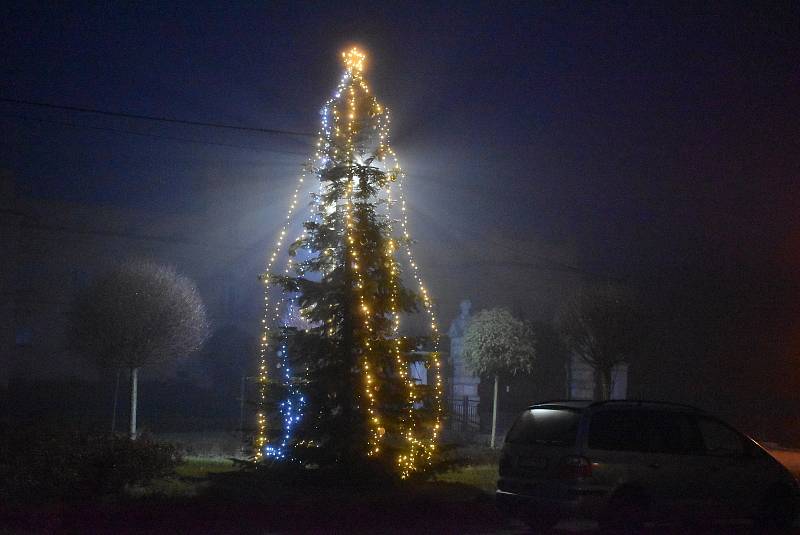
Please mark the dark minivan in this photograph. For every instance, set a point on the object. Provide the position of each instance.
(626, 462)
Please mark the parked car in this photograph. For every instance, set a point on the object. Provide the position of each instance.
(626, 462)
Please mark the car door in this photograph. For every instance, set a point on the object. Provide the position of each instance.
(736, 476)
(647, 450)
(676, 471)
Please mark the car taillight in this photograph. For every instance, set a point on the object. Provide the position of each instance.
(574, 467)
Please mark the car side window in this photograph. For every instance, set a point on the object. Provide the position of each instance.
(650, 431)
(672, 432)
(719, 439)
(618, 430)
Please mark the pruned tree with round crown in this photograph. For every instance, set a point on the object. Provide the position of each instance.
(351, 391)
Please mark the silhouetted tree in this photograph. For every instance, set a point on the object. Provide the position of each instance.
(138, 314)
(602, 325)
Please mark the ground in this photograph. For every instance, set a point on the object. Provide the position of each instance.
(209, 495)
(213, 495)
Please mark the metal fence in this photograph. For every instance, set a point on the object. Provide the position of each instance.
(463, 414)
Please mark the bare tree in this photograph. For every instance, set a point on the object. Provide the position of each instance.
(138, 314)
(496, 342)
(603, 326)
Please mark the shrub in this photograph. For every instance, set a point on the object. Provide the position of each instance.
(38, 465)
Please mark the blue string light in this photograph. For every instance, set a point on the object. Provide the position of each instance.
(291, 408)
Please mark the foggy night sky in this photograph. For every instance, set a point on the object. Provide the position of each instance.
(653, 140)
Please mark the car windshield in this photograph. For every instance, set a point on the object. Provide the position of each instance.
(545, 426)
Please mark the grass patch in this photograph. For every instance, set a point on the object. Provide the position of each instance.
(191, 477)
(482, 476)
(167, 487)
(474, 470)
(200, 467)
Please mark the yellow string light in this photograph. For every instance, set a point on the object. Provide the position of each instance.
(428, 447)
(407, 461)
(263, 373)
(354, 60)
(418, 449)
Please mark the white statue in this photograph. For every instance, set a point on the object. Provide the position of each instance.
(459, 324)
(464, 381)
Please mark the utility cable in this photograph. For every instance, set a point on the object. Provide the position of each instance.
(146, 134)
(159, 119)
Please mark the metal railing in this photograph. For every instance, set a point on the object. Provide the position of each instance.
(463, 413)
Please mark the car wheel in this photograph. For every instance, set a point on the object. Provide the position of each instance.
(778, 509)
(626, 513)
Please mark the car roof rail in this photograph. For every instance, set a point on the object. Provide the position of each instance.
(641, 402)
(552, 401)
(563, 402)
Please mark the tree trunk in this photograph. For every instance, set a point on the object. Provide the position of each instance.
(134, 398)
(242, 391)
(116, 398)
(604, 384)
(353, 416)
(494, 409)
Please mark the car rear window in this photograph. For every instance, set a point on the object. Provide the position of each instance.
(545, 426)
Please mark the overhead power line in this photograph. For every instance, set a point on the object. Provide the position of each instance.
(145, 134)
(159, 119)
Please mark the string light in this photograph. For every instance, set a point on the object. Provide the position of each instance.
(342, 126)
(263, 372)
(418, 447)
(354, 63)
(291, 407)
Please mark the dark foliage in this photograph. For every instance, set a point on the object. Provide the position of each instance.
(39, 465)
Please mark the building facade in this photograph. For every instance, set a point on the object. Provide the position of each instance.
(582, 383)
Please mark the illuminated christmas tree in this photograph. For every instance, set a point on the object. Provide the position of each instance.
(351, 375)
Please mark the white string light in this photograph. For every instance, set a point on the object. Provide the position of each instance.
(340, 123)
(263, 371)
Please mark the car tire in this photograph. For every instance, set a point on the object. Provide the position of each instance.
(626, 513)
(778, 510)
